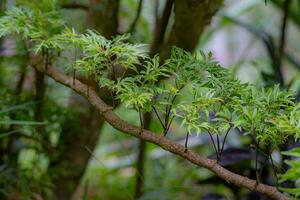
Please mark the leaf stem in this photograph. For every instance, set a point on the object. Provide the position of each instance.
(218, 143)
(157, 115)
(214, 145)
(170, 122)
(223, 143)
(168, 112)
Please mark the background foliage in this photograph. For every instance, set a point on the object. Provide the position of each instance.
(246, 127)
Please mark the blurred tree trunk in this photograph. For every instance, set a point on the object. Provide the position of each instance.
(191, 17)
(76, 142)
(103, 17)
(141, 159)
(78, 137)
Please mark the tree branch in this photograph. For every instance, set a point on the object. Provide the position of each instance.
(106, 112)
(75, 6)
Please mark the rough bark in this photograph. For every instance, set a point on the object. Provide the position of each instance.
(191, 17)
(110, 117)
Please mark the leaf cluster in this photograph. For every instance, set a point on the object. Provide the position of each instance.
(219, 101)
(38, 22)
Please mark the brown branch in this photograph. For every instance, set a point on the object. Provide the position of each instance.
(106, 112)
(75, 6)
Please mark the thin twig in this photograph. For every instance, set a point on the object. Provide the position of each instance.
(137, 16)
(141, 121)
(218, 143)
(160, 28)
(170, 122)
(157, 115)
(223, 143)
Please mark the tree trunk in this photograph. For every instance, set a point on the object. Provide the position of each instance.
(140, 166)
(78, 138)
(191, 17)
(103, 17)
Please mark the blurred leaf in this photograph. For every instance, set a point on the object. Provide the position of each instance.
(294, 152)
(16, 107)
(3, 135)
(19, 122)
